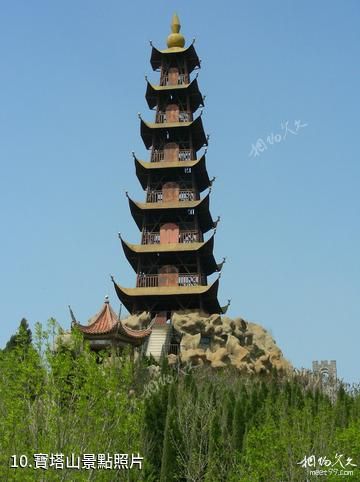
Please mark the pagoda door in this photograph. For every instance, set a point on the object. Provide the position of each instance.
(168, 276)
(172, 113)
(170, 191)
(171, 152)
(161, 318)
(173, 74)
(169, 233)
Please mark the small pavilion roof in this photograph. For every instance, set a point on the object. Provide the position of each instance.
(164, 298)
(143, 169)
(106, 322)
(175, 131)
(192, 90)
(138, 210)
(188, 53)
(165, 253)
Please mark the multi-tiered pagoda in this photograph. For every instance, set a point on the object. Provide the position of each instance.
(175, 256)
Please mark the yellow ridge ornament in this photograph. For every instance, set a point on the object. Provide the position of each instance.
(175, 39)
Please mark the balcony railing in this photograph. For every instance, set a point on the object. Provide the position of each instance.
(160, 117)
(158, 196)
(182, 79)
(189, 236)
(154, 196)
(158, 155)
(150, 238)
(184, 116)
(185, 155)
(187, 195)
(183, 279)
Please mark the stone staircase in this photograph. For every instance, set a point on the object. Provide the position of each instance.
(160, 337)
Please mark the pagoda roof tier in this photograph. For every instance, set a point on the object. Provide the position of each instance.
(164, 298)
(143, 169)
(192, 90)
(166, 210)
(188, 54)
(174, 131)
(106, 322)
(166, 253)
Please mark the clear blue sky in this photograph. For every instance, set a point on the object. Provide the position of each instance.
(71, 85)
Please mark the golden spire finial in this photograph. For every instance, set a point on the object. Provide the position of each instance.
(175, 39)
(175, 24)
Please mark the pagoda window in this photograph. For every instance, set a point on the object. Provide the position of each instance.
(170, 191)
(173, 109)
(168, 276)
(171, 152)
(173, 76)
(169, 233)
(172, 113)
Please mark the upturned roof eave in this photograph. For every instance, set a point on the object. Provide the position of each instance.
(203, 206)
(143, 168)
(142, 297)
(207, 246)
(148, 129)
(191, 89)
(189, 52)
(106, 322)
(166, 290)
(205, 250)
(119, 328)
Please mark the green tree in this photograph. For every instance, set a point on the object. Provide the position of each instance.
(239, 424)
(216, 469)
(97, 414)
(23, 336)
(172, 439)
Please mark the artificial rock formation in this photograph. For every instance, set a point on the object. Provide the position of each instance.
(247, 346)
(138, 322)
